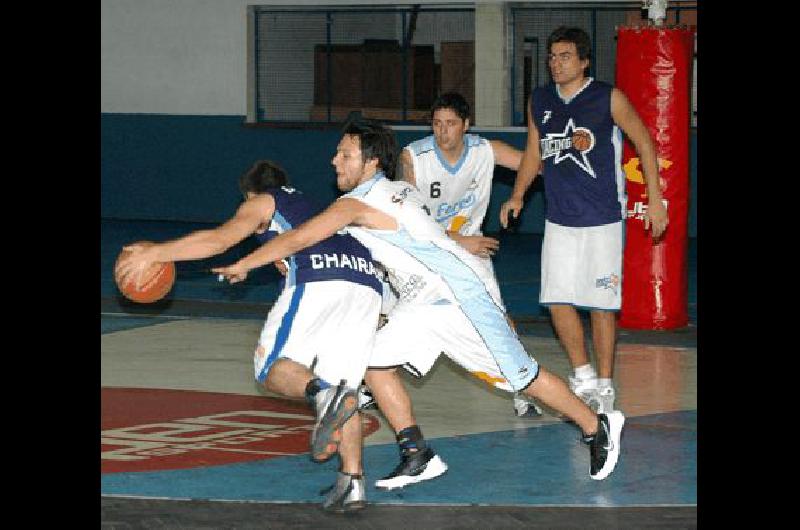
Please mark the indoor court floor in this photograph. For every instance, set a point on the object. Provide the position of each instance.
(189, 441)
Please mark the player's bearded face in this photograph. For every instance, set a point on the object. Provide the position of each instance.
(349, 164)
(448, 129)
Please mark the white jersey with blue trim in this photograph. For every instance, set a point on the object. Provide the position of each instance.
(423, 263)
(447, 296)
(457, 195)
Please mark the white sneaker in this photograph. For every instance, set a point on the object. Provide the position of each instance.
(524, 407)
(605, 398)
(586, 389)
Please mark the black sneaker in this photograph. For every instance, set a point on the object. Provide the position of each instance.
(414, 467)
(604, 445)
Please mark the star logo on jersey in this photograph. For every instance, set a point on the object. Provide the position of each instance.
(572, 144)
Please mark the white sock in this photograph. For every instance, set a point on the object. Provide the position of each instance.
(604, 383)
(585, 372)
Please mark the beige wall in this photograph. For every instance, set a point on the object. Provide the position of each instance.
(491, 68)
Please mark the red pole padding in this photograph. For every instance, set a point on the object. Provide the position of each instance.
(654, 69)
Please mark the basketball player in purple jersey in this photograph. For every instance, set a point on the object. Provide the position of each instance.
(325, 317)
(575, 127)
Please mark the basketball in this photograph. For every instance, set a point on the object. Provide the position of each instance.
(156, 281)
(581, 140)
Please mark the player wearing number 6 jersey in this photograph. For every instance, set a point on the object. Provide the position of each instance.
(446, 303)
(453, 170)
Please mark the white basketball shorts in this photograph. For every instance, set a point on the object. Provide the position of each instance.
(481, 341)
(582, 266)
(331, 321)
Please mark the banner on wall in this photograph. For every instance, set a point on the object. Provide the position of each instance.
(654, 68)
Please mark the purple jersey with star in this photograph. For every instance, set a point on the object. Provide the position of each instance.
(581, 149)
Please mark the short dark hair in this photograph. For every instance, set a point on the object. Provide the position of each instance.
(263, 175)
(375, 141)
(576, 36)
(453, 101)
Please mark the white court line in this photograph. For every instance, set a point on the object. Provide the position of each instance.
(404, 503)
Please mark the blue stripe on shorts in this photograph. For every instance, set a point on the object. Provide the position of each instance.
(283, 331)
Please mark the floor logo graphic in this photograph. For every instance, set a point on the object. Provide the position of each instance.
(154, 429)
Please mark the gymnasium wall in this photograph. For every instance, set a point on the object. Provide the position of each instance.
(173, 105)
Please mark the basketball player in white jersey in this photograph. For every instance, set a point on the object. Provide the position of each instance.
(447, 302)
(453, 170)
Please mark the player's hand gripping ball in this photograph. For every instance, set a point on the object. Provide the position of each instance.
(156, 281)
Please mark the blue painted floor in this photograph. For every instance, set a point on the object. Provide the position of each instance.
(545, 465)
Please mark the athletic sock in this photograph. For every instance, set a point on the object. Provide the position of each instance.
(585, 372)
(604, 383)
(315, 385)
(411, 440)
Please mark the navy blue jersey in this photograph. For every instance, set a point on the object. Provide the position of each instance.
(339, 257)
(582, 154)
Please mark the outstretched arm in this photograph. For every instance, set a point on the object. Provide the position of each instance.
(528, 169)
(341, 213)
(202, 243)
(628, 120)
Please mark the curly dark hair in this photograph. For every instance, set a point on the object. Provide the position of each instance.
(376, 141)
(263, 175)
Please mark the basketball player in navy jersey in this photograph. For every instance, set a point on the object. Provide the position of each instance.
(575, 127)
(325, 316)
(447, 303)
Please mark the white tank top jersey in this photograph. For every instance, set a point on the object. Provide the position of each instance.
(425, 266)
(423, 263)
(457, 195)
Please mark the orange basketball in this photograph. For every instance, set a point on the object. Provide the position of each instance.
(581, 140)
(156, 281)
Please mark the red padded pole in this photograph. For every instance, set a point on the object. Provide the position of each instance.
(654, 69)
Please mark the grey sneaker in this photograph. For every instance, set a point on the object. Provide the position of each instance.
(525, 407)
(365, 398)
(604, 445)
(347, 494)
(605, 398)
(586, 389)
(335, 405)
